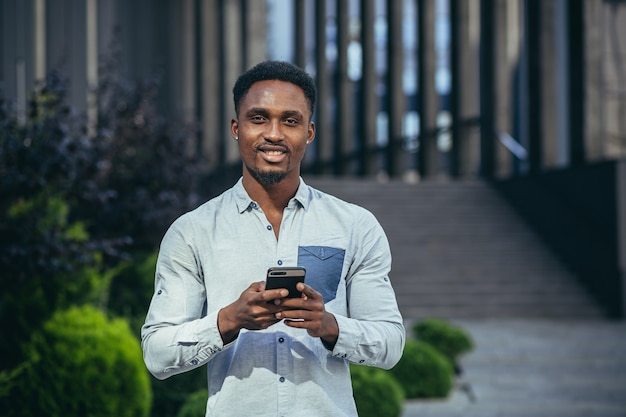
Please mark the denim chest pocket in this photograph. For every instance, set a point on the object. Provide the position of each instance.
(323, 268)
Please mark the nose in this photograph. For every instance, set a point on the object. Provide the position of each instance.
(274, 132)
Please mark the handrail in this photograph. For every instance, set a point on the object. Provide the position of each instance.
(513, 146)
(217, 177)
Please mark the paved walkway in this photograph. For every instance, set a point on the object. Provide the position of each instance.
(537, 368)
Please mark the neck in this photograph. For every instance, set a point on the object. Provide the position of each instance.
(271, 197)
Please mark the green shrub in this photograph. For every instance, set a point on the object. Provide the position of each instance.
(376, 392)
(48, 264)
(423, 372)
(195, 405)
(171, 394)
(131, 288)
(450, 340)
(80, 364)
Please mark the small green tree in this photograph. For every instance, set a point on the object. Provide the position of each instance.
(80, 364)
(423, 372)
(195, 404)
(376, 392)
(450, 340)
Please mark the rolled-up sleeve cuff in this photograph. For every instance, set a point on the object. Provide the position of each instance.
(209, 339)
(347, 341)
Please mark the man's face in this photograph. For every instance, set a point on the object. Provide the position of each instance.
(274, 128)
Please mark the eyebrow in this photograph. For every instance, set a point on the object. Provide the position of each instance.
(263, 111)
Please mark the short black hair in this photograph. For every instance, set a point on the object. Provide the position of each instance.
(275, 70)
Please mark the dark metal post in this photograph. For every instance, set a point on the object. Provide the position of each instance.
(395, 94)
(620, 191)
(300, 33)
(532, 28)
(222, 69)
(342, 137)
(366, 136)
(487, 80)
(576, 68)
(243, 17)
(427, 154)
(323, 146)
(455, 86)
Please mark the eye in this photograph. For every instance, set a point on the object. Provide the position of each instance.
(256, 118)
(292, 121)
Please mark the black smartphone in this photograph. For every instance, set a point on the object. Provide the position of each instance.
(285, 277)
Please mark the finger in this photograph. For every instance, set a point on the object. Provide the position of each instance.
(297, 323)
(279, 293)
(293, 303)
(265, 317)
(308, 291)
(298, 314)
(264, 324)
(292, 316)
(257, 286)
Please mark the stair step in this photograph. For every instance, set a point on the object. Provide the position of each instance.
(459, 250)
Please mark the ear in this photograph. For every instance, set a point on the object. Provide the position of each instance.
(310, 133)
(234, 128)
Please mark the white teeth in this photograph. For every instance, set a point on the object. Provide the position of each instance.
(273, 152)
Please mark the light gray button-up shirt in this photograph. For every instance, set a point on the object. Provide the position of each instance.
(210, 255)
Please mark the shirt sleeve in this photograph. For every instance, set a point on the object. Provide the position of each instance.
(373, 333)
(177, 335)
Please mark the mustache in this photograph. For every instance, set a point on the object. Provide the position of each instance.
(271, 147)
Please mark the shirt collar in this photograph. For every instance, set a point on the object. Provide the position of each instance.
(244, 202)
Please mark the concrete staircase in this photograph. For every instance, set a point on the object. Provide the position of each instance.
(459, 251)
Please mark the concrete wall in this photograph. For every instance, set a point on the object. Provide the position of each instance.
(581, 213)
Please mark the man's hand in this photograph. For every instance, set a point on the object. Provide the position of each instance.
(309, 313)
(250, 311)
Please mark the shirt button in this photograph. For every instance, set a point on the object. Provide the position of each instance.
(362, 360)
(280, 262)
(269, 227)
(159, 292)
(281, 339)
(253, 205)
(281, 379)
(194, 361)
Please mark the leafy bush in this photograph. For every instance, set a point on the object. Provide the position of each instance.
(147, 176)
(131, 301)
(172, 393)
(452, 341)
(376, 392)
(81, 202)
(195, 405)
(73, 204)
(80, 364)
(47, 257)
(423, 372)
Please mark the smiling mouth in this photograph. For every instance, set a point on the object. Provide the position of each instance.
(272, 155)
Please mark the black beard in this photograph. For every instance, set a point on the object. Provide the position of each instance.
(269, 178)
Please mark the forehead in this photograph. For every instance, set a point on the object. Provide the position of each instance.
(276, 94)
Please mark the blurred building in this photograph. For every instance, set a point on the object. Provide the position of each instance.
(554, 70)
(414, 89)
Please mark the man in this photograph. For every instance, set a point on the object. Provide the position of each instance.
(291, 356)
